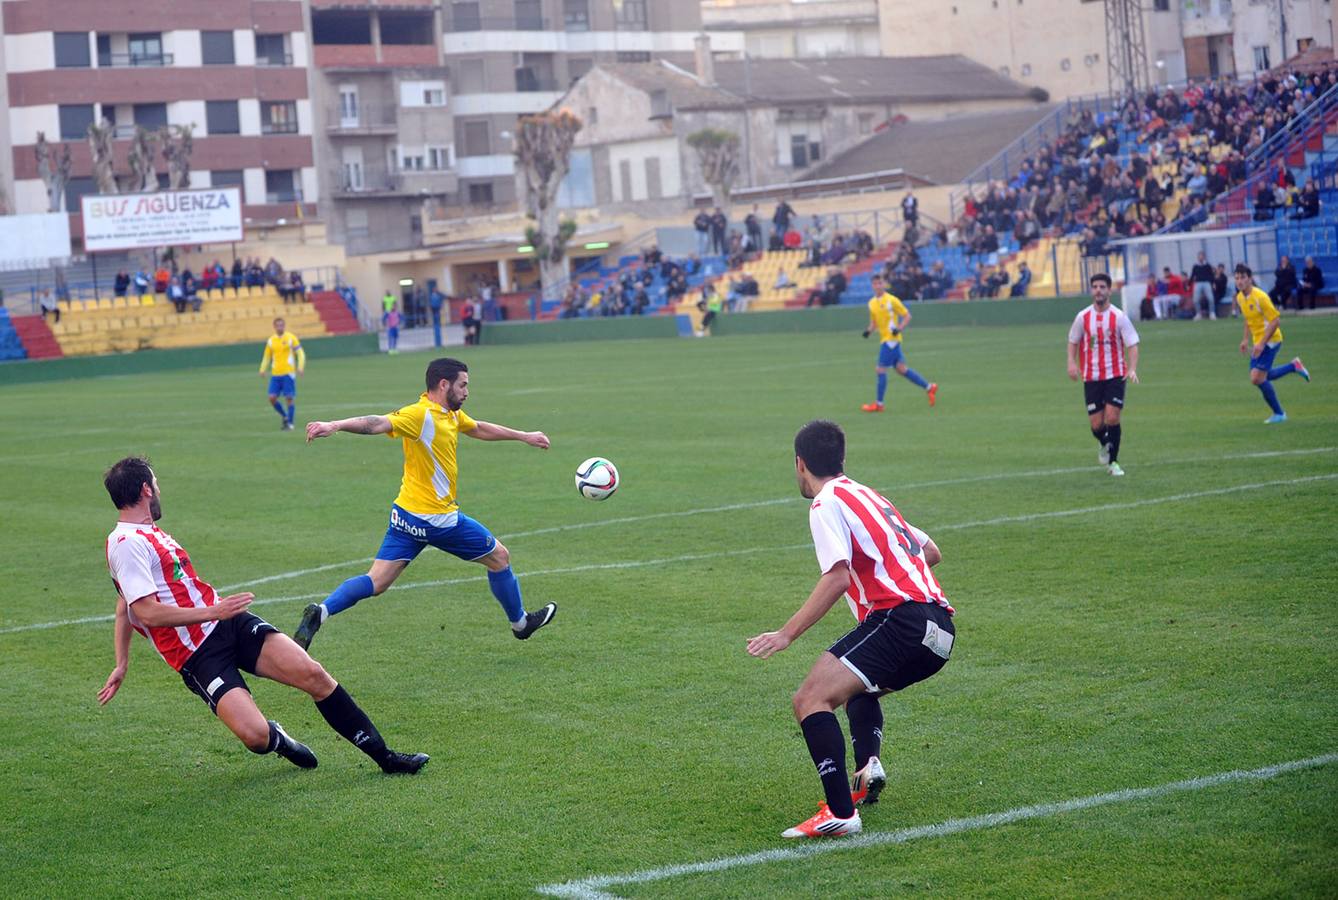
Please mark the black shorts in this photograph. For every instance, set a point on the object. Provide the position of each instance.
(894, 648)
(233, 645)
(1100, 394)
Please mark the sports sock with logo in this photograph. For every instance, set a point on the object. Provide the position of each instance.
(882, 386)
(275, 739)
(915, 378)
(1271, 398)
(1278, 371)
(1113, 438)
(866, 727)
(828, 749)
(506, 589)
(347, 594)
(352, 724)
(278, 408)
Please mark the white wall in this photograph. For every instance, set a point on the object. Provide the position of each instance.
(187, 112)
(34, 52)
(297, 42)
(183, 45)
(635, 153)
(29, 196)
(310, 185)
(254, 182)
(493, 166)
(248, 113)
(304, 117)
(26, 121)
(244, 47)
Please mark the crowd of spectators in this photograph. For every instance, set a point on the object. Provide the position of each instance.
(1205, 292)
(184, 288)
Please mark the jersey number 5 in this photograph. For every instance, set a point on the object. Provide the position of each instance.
(906, 539)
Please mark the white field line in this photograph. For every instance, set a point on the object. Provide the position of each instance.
(594, 888)
(694, 557)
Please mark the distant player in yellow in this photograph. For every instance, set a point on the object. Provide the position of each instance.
(425, 512)
(889, 317)
(1262, 341)
(285, 359)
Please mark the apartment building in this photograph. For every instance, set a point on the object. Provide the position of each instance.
(797, 29)
(236, 70)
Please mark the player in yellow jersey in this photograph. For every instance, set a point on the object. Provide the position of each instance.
(889, 317)
(425, 512)
(1262, 341)
(286, 360)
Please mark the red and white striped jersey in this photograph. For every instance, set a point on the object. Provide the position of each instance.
(855, 524)
(1101, 338)
(144, 561)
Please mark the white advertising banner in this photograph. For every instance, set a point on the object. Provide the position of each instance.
(162, 219)
(32, 241)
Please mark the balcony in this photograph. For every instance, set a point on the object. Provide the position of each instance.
(274, 59)
(278, 127)
(366, 121)
(134, 60)
(473, 22)
(383, 181)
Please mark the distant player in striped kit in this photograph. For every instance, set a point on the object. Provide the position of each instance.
(212, 640)
(1100, 339)
(881, 564)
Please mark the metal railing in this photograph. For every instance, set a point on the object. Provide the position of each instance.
(278, 127)
(274, 59)
(532, 83)
(458, 21)
(134, 60)
(367, 117)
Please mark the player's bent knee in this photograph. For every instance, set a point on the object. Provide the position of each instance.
(498, 559)
(317, 682)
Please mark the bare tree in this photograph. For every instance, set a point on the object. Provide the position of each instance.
(55, 174)
(177, 147)
(543, 155)
(718, 155)
(143, 177)
(100, 136)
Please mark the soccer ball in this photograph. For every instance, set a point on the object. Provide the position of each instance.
(596, 478)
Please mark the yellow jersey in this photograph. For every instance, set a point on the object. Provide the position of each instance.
(1258, 311)
(285, 353)
(884, 312)
(429, 433)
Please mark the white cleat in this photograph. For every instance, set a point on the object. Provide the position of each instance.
(868, 783)
(824, 824)
(1114, 469)
(1103, 455)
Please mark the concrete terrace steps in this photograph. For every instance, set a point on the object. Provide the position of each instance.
(38, 340)
(334, 312)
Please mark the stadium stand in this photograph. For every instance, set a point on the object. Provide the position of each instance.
(11, 346)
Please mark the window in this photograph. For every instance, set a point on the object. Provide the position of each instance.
(633, 56)
(631, 16)
(803, 151)
(74, 121)
(104, 50)
(280, 186)
(151, 115)
(469, 76)
(660, 108)
(355, 222)
(477, 139)
(146, 49)
(277, 117)
(1261, 59)
(592, 115)
(529, 15)
(76, 188)
(1025, 70)
(72, 50)
(866, 123)
(225, 177)
(438, 158)
(422, 93)
(481, 194)
(411, 160)
(216, 48)
(221, 117)
(272, 51)
(465, 16)
(1161, 5)
(1064, 65)
(576, 15)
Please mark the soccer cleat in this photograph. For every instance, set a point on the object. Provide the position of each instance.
(403, 763)
(1301, 369)
(536, 620)
(824, 824)
(287, 426)
(310, 624)
(1275, 419)
(295, 752)
(868, 783)
(872, 407)
(1114, 469)
(1103, 455)
(932, 391)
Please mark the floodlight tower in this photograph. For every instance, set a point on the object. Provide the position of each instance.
(1126, 48)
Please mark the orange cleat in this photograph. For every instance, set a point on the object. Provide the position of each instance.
(872, 407)
(933, 393)
(824, 824)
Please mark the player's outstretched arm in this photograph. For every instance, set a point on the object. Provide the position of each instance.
(490, 431)
(826, 592)
(357, 425)
(122, 643)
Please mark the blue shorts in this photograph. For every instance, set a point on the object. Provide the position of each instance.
(889, 354)
(282, 386)
(407, 535)
(1264, 361)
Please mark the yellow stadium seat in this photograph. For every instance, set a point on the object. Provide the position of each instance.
(146, 300)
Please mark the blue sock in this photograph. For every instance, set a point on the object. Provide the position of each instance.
(291, 409)
(914, 378)
(882, 385)
(506, 589)
(1271, 397)
(1279, 371)
(347, 594)
(278, 408)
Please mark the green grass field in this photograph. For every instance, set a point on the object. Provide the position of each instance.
(1112, 633)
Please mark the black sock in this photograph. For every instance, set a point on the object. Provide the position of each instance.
(1100, 435)
(828, 748)
(1113, 435)
(275, 739)
(347, 718)
(866, 727)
